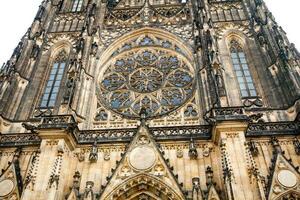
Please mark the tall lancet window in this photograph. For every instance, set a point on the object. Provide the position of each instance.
(77, 5)
(241, 69)
(54, 81)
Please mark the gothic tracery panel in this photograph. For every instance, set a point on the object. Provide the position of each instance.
(144, 75)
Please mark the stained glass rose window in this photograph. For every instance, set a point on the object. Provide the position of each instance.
(157, 79)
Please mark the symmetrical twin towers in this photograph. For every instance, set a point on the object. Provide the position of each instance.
(151, 100)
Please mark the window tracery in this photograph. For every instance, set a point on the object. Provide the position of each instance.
(241, 69)
(54, 81)
(144, 75)
(77, 5)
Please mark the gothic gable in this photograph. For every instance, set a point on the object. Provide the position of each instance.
(143, 171)
(11, 183)
(284, 179)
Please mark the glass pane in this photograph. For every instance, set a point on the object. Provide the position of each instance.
(61, 71)
(251, 86)
(246, 72)
(241, 55)
(241, 79)
(243, 60)
(62, 65)
(55, 90)
(45, 97)
(53, 71)
(53, 96)
(249, 79)
(59, 77)
(57, 83)
(233, 55)
(253, 93)
(55, 65)
(245, 66)
(52, 76)
(44, 103)
(239, 73)
(51, 103)
(49, 84)
(235, 60)
(242, 86)
(47, 90)
(244, 93)
(237, 67)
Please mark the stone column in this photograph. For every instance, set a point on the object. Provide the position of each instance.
(230, 137)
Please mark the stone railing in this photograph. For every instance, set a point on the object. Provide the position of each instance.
(21, 139)
(273, 129)
(183, 132)
(102, 136)
(229, 113)
(56, 121)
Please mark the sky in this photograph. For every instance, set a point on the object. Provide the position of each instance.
(17, 15)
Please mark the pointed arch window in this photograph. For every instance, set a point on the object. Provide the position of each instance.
(53, 85)
(77, 5)
(242, 71)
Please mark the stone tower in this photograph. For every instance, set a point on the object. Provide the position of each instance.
(151, 99)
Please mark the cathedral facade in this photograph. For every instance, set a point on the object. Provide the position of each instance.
(151, 100)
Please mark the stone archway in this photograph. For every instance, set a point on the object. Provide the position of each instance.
(290, 195)
(144, 187)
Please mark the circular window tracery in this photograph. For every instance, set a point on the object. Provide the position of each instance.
(156, 79)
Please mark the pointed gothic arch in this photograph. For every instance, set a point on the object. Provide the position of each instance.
(160, 33)
(289, 195)
(143, 184)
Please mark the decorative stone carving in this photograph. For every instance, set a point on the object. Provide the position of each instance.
(142, 158)
(287, 178)
(193, 154)
(179, 153)
(93, 157)
(6, 187)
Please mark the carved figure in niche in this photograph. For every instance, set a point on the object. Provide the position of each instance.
(94, 49)
(196, 195)
(93, 157)
(193, 154)
(35, 51)
(106, 156)
(69, 90)
(179, 153)
(80, 45)
(17, 52)
(88, 192)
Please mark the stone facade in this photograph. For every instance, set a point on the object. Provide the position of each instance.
(151, 99)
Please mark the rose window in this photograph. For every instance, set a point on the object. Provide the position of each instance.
(156, 79)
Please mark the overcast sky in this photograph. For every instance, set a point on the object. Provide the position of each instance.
(17, 15)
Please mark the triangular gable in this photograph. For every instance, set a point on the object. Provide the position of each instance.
(11, 182)
(284, 178)
(142, 168)
(212, 193)
(73, 194)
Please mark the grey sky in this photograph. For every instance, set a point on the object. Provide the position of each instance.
(17, 15)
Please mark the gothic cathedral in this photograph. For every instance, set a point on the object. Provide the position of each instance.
(151, 100)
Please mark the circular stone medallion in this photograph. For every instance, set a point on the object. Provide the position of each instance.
(287, 178)
(6, 187)
(142, 158)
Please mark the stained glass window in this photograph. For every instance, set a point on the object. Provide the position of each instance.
(77, 5)
(146, 76)
(242, 71)
(54, 81)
